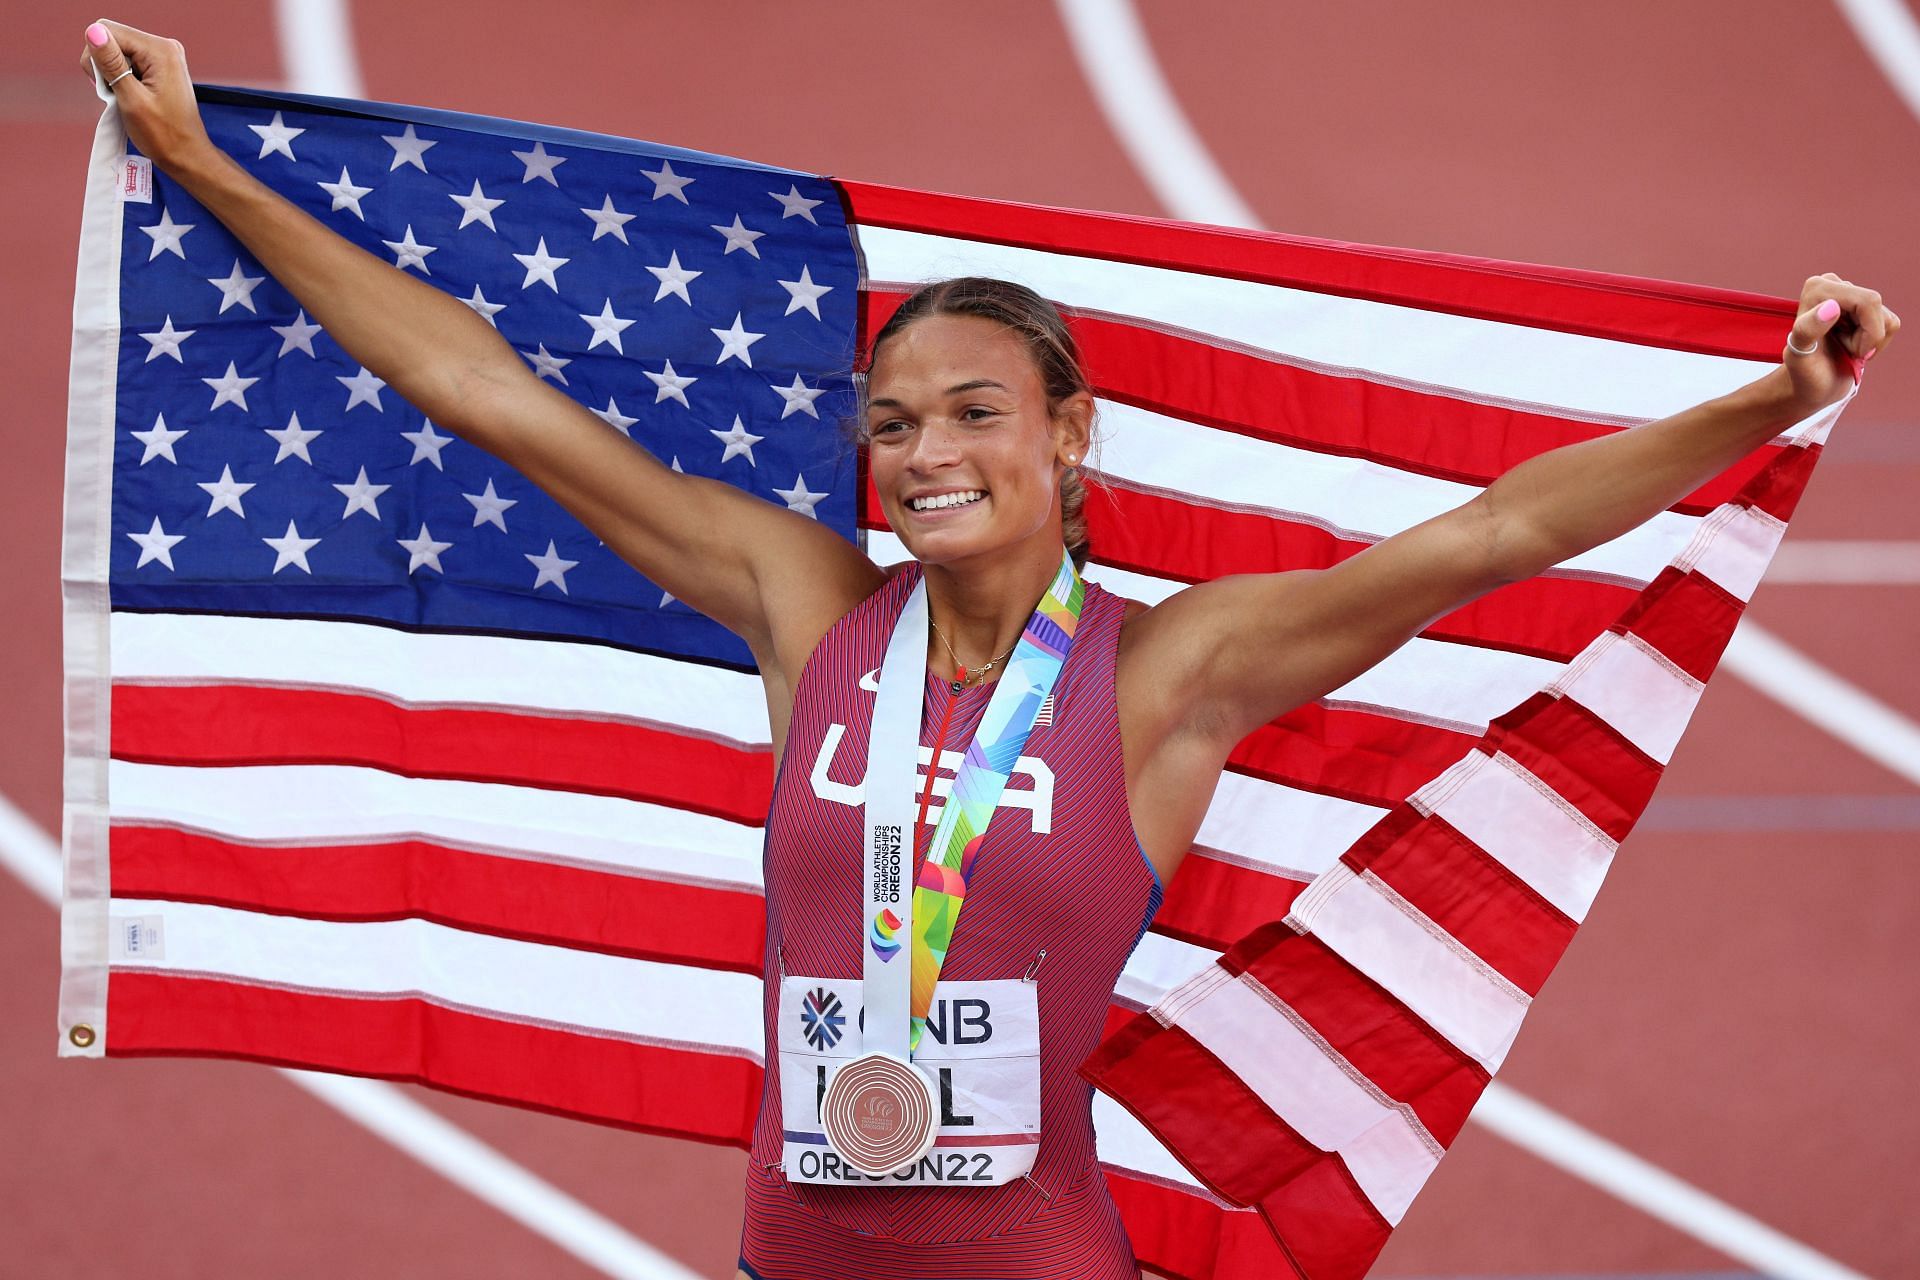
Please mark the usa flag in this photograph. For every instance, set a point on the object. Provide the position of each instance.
(380, 763)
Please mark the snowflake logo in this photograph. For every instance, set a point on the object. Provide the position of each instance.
(820, 1015)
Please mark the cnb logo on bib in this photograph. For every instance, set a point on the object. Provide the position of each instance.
(981, 1049)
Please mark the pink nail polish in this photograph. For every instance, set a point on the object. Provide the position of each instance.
(96, 35)
(1827, 311)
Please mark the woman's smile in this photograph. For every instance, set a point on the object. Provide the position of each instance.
(950, 504)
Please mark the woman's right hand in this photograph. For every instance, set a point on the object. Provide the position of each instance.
(156, 102)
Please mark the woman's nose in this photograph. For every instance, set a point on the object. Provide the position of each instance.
(935, 446)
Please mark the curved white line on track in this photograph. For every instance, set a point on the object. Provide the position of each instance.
(1118, 62)
(33, 856)
(1651, 1189)
(1140, 107)
(1891, 35)
(316, 47)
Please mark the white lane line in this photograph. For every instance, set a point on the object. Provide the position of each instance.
(1158, 150)
(1118, 61)
(1654, 1191)
(31, 854)
(1839, 561)
(471, 1164)
(1892, 39)
(316, 47)
(1817, 695)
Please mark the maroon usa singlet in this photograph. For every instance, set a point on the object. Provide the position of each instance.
(1061, 871)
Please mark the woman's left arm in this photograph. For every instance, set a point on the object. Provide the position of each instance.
(1229, 655)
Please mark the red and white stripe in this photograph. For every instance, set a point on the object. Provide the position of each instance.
(531, 871)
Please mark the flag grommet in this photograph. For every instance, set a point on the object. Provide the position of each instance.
(81, 1035)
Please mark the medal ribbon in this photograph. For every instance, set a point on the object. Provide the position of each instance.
(940, 889)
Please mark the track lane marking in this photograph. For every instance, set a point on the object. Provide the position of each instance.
(1891, 37)
(1139, 105)
(1824, 699)
(316, 47)
(1649, 1188)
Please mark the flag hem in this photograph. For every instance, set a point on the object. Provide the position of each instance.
(86, 554)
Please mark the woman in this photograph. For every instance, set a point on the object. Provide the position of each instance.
(977, 419)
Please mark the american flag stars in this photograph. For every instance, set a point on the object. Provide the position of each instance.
(672, 386)
(736, 342)
(482, 308)
(619, 421)
(739, 237)
(795, 205)
(674, 279)
(166, 341)
(490, 507)
(408, 148)
(362, 496)
(803, 294)
(475, 206)
(609, 221)
(167, 235)
(427, 444)
(581, 257)
(668, 183)
(236, 287)
(229, 388)
(408, 253)
(548, 365)
(297, 336)
(157, 544)
(346, 195)
(363, 388)
(739, 442)
(292, 440)
(423, 550)
(540, 266)
(158, 441)
(225, 494)
(276, 136)
(607, 327)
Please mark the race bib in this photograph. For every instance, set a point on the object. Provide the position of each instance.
(981, 1049)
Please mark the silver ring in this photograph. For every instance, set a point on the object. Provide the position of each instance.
(122, 76)
(1814, 350)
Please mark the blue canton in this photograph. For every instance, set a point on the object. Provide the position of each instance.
(706, 307)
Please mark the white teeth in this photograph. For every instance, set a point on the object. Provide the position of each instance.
(946, 500)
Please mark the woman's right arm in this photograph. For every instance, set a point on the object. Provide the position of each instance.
(776, 578)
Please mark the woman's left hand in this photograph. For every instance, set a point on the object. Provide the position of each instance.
(1844, 326)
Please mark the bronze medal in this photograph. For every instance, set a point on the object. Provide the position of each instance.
(879, 1113)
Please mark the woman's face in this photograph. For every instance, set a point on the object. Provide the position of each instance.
(963, 450)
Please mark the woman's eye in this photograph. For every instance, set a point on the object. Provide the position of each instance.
(893, 427)
(977, 414)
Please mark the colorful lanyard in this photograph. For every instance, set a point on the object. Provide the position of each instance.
(898, 996)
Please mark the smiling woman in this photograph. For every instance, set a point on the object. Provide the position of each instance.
(1012, 316)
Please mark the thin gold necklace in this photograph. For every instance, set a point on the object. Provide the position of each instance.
(959, 667)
